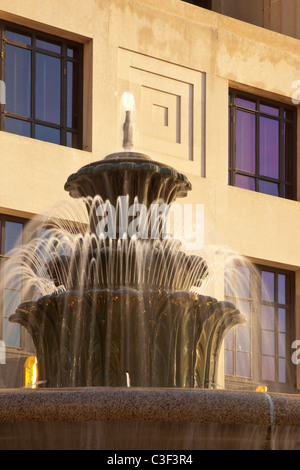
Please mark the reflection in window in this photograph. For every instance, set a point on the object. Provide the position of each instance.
(261, 145)
(258, 350)
(238, 340)
(13, 35)
(18, 80)
(13, 235)
(10, 295)
(43, 79)
(48, 134)
(17, 126)
(48, 87)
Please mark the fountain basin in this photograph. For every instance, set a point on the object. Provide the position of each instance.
(99, 418)
(95, 338)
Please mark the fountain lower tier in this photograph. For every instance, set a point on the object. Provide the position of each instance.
(147, 419)
(153, 338)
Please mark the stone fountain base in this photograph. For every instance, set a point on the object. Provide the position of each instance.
(147, 419)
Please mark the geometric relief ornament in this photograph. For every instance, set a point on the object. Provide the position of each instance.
(169, 109)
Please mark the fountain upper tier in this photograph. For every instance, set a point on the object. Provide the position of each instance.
(130, 174)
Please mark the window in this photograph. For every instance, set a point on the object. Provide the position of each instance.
(259, 351)
(262, 150)
(43, 83)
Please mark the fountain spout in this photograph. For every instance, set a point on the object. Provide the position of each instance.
(127, 131)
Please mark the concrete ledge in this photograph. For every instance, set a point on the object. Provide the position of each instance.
(134, 404)
(105, 418)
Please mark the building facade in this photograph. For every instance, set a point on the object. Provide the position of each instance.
(216, 87)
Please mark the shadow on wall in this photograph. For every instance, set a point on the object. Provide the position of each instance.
(200, 3)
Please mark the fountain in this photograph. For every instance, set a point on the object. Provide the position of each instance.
(125, 307)
(124, 344)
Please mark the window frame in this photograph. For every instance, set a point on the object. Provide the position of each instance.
(65, 44)
(234, 381)
(233, 171)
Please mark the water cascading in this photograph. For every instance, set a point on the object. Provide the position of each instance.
(122, 309)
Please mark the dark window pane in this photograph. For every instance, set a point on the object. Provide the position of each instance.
(49, 46)
(20, 37)
(268, 342)
(246, 103)
(282, 370)
(288, 291)
(269, 110)
(268, 285)
(18, 80)
(12, 277)
(11, 300)
(245, 182)
(48, 134)
(281, 288)
(13, 234)
(288, 151)
(268, 317)
(11, 333)
(282, 345)
(243, 338)
(48, 88)
(70, 52)
(245, 141)
(267, 187)
(72, 94)
(269, 147)
(228, 362)
(229, 281)
(243, 281)
(268, 368)
(17, 126)
(243, 364)
(281, 320)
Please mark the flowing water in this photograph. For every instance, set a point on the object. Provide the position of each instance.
(119, 311)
